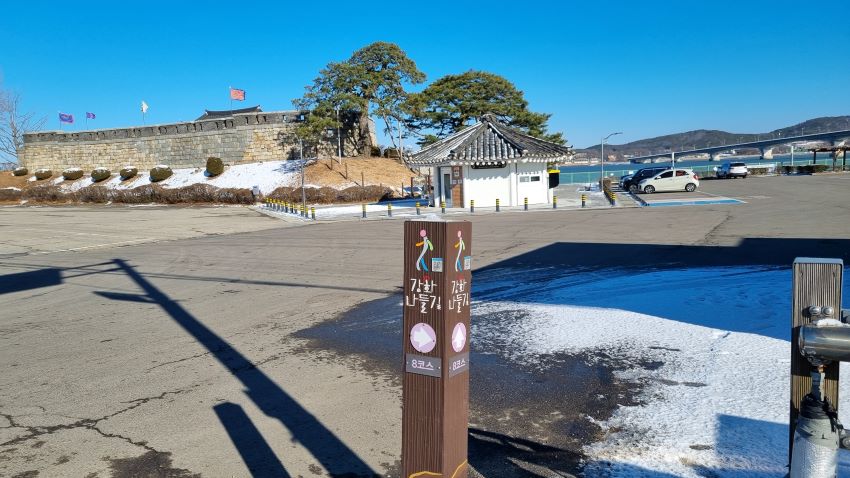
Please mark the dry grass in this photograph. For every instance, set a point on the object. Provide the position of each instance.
(7, 180)
(375, 172)
(327, 195)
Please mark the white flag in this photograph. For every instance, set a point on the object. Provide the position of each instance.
(144, 107)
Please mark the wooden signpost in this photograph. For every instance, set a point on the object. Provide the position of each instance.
(816, 282)
(435, 397)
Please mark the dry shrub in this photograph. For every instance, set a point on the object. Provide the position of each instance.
(46, 193)
(325, 195)
(92, 194)
(21, 171)
(10, 194)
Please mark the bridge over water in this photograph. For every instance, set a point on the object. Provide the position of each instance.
(765, 145)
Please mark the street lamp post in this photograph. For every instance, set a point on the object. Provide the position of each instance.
(338, 137)
(602, 160)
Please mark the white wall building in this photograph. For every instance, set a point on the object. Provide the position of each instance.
(489, 161)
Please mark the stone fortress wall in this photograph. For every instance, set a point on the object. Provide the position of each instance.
(240, 138)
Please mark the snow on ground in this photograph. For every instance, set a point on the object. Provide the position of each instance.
(718, 406)
(267, 175)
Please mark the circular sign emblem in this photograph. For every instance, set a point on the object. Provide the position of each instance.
(423, 338)
(459, 337)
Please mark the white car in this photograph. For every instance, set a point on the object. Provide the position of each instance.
(732, 170)
(670, 180)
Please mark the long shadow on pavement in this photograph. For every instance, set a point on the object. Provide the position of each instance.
(327, 448)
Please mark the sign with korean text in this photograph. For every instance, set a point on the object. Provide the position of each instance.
(436, 339)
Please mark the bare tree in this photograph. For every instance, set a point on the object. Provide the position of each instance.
(14, 123)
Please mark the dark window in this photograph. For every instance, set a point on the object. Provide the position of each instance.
(681, 172)
(535, 178)
(738, 164)
(668, 174)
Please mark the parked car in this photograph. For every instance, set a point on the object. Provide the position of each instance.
(732, 170)
(630, 182)
(670, 180)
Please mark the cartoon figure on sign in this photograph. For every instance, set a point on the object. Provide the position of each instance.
(460, 246)
(426, 245)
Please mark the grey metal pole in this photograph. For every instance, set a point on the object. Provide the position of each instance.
(338, 137)
(303, 193)
(602, 164)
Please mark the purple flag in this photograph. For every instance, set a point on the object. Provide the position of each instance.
(66, 118)
(89, 115)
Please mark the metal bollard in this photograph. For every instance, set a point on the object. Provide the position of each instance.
(389, 209)
(443, 206)
(554, 202)
(364, 210)
(417, 208)
(583, 200)
(497, 204)
(525, 204)
(313, 212)
(613, 199)
(472, 205)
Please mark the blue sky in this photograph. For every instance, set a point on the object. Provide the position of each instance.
(644, 68)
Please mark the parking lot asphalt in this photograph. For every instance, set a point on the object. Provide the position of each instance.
(181, 356)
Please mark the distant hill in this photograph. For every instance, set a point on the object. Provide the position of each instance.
(702, 138)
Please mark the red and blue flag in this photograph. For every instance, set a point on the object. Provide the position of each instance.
(66, 118)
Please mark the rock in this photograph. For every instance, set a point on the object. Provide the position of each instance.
(70, 174)
(128, 172)
(99, 174)
(160, 173)
(43, 173)
(21, 171)
(214, 166)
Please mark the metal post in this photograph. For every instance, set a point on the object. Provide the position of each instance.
(443, 206)
(472, 205)
(339, 142)
(435, 381)
(583, 200)
(497, 204)
(554, 202)
(303, 192)
(389, 209)
(613, 199)
(364, 210)
(313, 212)
(417, 208)
(525, 203)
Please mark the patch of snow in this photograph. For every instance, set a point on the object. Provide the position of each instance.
(13, 188)
(718, 406)
(72, 170)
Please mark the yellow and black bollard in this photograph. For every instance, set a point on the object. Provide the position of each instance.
(497, 204)
(613, 199)
(472, 205)
(443, 206)
(313, 212)
(554, 202)
(389, 209)
(417, 208)
(583, 200)
(525, 204)
(364, 210)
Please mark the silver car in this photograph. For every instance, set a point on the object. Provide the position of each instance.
(732, 170)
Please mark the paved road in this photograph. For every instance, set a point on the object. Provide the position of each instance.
(183, 357)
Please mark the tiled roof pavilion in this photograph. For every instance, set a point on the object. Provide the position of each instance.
(488, 142)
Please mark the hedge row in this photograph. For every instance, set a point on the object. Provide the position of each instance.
(149, 193)
(805, 169)
(354, 194)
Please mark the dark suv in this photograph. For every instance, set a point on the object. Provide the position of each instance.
(630, 181)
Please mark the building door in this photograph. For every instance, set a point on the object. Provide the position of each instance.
(447, 189)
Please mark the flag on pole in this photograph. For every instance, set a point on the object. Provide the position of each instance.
(90, 115)
(66, 118)
(144, 107)
(237, 94)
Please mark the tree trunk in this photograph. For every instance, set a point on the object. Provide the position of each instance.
(365, 137)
